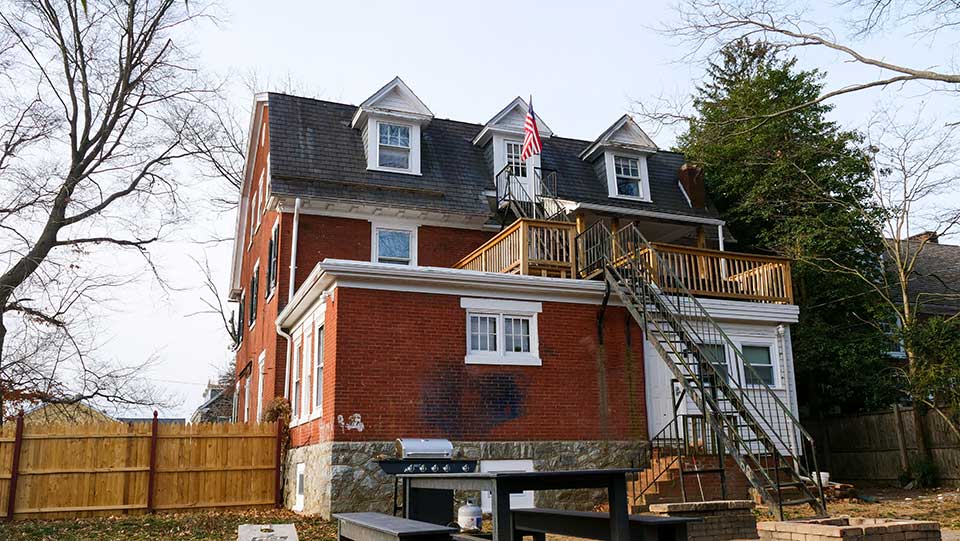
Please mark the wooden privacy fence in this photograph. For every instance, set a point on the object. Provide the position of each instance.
(69, 470)
(875, 447)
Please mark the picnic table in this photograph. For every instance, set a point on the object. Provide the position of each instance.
(429, 497)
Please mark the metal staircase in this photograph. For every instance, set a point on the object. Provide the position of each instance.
(751, 422)
(515, 199)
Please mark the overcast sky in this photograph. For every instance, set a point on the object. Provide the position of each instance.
(585, 63)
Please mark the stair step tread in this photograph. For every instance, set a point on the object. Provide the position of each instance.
(799, 502)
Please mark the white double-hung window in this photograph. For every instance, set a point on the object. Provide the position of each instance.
(393, 150)
(628, 176)
(394, 243)
(761, 361)
(501, 331)
(518, 167)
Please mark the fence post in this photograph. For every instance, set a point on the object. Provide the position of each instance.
(15, 468)
(153, 462)
(901, 439)
(277, 482)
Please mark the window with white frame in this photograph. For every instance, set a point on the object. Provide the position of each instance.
(300, 484)
(514, 151)
(628, 176)
(393, 146)
(295, 395)
(501, 332)
(254, 288)
(263, 195)
(254, 216)
(396, 245)
(306, 367)
(318, 372)
(760, 359)
(892, 330)
(261, 372)
(272, 257)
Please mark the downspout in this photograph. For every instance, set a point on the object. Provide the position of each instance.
(290, 290)
(293, 250)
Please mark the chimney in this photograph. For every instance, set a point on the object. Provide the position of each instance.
(691, 179)
(930, 236)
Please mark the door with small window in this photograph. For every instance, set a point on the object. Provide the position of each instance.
(518, 184)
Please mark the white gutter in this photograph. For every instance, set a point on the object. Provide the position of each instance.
(293, 249)
(293, 270)
(649, 213)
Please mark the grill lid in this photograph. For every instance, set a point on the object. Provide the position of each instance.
(410, 448)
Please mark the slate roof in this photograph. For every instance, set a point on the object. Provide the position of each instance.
(315, 153)
(937, 279)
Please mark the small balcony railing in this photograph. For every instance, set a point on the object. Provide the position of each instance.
(529, 247)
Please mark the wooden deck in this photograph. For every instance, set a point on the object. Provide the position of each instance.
(544, 248)
(529, 247)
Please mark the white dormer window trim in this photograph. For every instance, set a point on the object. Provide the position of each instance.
(373, 145)
(613, 181)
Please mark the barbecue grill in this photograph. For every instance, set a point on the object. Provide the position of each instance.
(422, 456)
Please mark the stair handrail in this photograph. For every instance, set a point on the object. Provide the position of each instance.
(609, 257)
(631, 229)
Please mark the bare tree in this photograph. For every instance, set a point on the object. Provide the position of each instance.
(914, 166)
(214, 304)
(219, 137)
(709, 25)
(915, 170)
(96, 104)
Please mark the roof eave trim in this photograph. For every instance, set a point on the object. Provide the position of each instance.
(336, 273)
(260, 100)
(649, 213)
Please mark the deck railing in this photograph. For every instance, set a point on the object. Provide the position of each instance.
(531, 247)
(547, 248)
(713, 273)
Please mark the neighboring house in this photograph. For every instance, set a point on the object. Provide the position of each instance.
(401, 275)
(935, 285)
(160, 420)
(217, 404)
(66, 413)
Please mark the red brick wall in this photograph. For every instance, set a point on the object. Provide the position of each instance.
(400, 366)
(444, 246)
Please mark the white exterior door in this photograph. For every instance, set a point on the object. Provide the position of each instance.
(658, 381)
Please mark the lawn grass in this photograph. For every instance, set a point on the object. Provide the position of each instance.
(214, 525)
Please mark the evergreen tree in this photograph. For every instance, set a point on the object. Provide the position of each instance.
(787, 184)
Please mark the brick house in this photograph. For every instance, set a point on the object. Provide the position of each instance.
(402, 275)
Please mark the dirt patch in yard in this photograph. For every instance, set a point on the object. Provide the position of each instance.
(208, 526)
(940, 504)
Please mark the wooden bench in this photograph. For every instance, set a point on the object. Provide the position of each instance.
(381, 527)
(589, 525)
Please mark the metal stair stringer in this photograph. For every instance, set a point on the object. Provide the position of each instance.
(676, 325)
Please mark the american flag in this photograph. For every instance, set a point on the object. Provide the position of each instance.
(531, 135)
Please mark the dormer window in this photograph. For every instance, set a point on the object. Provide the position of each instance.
(620, 154)
(390, 122)
(518, 167)
(628, 176)
(393, 151)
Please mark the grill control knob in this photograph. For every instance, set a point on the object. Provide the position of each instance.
(423, 467)
(408, 469)
(446, 467)
(466, 468)
(435, 468)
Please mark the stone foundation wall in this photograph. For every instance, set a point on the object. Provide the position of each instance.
(850, 529)
(344, 476)
(722, 519)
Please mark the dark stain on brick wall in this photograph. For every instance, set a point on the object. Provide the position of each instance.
(461, 404)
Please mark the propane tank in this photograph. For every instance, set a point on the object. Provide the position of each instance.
(470, 517)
